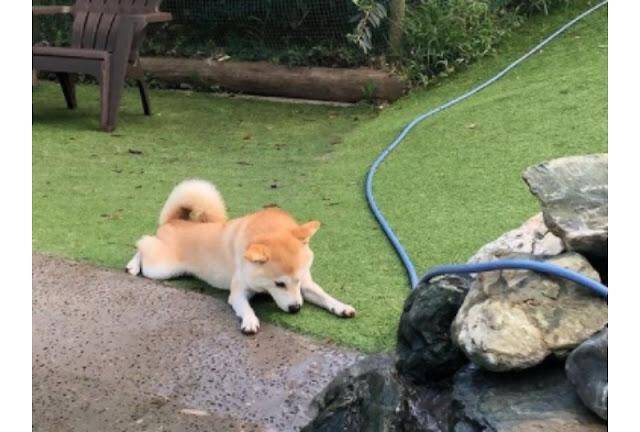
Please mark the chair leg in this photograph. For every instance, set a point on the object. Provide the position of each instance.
(103, 80)
(111, 88)
(144, 96)
(114, 71)
(68, 89)
(115, 93)
(137, 73)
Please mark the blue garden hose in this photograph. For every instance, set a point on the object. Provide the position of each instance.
(538, 266)
(521, 264)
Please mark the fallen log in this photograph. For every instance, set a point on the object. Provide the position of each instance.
(266, 79)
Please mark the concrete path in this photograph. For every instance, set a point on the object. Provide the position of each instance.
(112, 352)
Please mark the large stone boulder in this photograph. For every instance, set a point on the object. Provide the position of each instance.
(368, 396)
(573, 192)
(532, 238)
(514, 319)
(425, 349)
(539, 399)
(587, 368)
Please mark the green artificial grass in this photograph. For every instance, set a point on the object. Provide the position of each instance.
(452, 186)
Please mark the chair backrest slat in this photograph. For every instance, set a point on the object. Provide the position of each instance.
(79, 21)
(104, 30)
(110, 41)
(91, 29)
(96, 21)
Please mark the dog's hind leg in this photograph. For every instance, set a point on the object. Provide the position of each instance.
(134, 266)
(155, 260)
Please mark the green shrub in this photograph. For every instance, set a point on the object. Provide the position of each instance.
(444, 35)
(371, 15)
(529, 6)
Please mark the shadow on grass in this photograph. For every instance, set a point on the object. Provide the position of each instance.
(262, 303)
(81, 120)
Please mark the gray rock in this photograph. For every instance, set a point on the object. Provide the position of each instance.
(540, 399)
(573, 192)
(425, 349)
(587, 368)
(533, 238)
(368, 396)
(514, 319)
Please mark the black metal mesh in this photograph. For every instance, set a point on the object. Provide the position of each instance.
(295, 32)
(272, 22)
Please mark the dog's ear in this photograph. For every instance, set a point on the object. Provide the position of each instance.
(257, 253)
(304, 232)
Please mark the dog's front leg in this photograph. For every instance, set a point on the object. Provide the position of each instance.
(313, 293)
(239, 301)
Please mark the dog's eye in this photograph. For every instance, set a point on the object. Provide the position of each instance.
(281, 284)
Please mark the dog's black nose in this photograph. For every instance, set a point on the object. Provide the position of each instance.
(294, 308)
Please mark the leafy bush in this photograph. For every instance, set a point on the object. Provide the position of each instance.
(529, 6)
(444, 35)
(371, 16)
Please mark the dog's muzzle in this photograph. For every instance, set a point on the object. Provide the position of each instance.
(294, 308)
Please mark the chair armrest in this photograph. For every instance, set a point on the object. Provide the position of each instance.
(140, 21)
(157, 17)
(51, 10)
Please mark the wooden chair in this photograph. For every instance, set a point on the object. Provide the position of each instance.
(106, 37)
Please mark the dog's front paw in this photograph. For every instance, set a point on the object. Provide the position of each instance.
(250, 325)
(344, 311)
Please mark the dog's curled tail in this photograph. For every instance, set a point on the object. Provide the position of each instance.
(194, 200)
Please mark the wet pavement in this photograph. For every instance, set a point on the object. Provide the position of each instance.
(112, 352)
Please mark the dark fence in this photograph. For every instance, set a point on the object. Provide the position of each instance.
(272, 22)
(295, 32)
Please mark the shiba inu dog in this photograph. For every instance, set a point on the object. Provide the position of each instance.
(264, 252)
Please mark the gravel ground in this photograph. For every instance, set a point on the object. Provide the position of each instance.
(112, 352)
